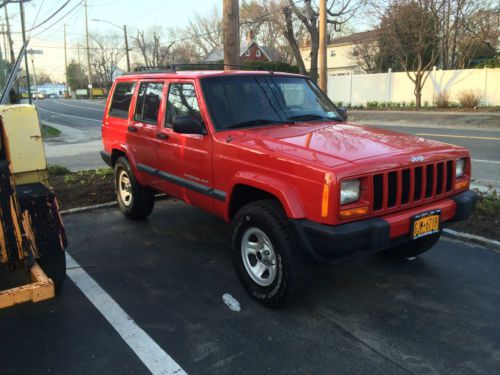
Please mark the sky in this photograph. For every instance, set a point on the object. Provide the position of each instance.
(136, 14)
(50, 37)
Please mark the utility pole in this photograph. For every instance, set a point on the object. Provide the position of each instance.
(79, 61)
(34, 74)
(126, 47)
(11, 43)
(26, 64)
(88, 50)
(231, 22)
(322, 46)
(65, 61)
(4, 43)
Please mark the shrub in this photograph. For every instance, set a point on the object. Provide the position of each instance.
(488, 203)
(426, 104)
(442, 100)
(469, 99)
(372, 105)
(57, 170)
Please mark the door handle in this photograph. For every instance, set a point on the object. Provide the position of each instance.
(132, 129)
(162, 136)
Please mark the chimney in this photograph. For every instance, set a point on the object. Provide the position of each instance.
(250, 37)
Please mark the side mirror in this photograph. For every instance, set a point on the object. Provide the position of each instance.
(342, 112)
(187, 125)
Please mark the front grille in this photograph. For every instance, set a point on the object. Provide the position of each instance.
(404, 186)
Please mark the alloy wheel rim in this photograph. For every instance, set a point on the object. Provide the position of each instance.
(125, 188)
(259, 257)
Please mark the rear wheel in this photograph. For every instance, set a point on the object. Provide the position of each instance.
(53, 263)
(135, 201)
(265, 255)
(413, 248)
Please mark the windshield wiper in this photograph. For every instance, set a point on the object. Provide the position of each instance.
(257, 122)
(312, 116)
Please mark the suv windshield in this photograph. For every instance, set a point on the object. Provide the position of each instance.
(247, 101)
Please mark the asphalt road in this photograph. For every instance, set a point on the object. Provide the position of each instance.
(437, 314)
(80, 121)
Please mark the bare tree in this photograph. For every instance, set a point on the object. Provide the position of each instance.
(339, 12)
(106, 51)
(152, 48)
(205, 31)
(367, 54)
(410, 30)
(265, 19)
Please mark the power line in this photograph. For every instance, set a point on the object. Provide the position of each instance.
(36, 17)
(50, 17)
(59, 20)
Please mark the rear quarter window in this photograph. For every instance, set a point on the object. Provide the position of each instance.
(122, 97)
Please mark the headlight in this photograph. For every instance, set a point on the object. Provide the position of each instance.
(349, 191)
(459, 168)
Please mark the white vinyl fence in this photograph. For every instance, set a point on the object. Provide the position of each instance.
(398, 88)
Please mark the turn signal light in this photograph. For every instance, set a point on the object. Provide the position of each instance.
(462, 185)
(358, 211)
(324, 200)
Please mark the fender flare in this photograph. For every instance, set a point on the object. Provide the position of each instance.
(286, 193)
(129, 155)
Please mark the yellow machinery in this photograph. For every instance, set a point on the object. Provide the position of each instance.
(32, 236)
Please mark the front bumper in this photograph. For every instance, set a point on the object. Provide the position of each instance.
(327, 243)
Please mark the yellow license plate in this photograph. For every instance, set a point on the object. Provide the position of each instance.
(425, 224)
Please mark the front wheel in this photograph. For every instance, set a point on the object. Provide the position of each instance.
(136, 201)
(266, 258)
(413, 248)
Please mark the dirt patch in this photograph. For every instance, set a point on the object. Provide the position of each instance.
(485, 220)
(84, 188)
(480, 225)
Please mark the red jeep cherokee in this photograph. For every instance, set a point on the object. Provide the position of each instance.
(272, 154)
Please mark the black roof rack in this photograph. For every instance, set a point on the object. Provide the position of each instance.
(198, 66)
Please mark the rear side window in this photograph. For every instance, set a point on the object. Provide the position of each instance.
(121, 99)
(148, 102)
(181, 101)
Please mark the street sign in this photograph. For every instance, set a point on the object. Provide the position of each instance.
(89, 86)
(35, 51)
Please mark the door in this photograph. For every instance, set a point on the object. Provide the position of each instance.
(185, 161)
(143, 129)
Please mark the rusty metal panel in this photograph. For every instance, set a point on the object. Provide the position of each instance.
(23, 138)
(11, 239)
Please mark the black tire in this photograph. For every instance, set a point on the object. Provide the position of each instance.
(53, 263)
(142, 198)
(268, 216)
(412, 248)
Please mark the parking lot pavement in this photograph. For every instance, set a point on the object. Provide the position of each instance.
(439, 313)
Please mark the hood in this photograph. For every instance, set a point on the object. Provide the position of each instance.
(335, 144)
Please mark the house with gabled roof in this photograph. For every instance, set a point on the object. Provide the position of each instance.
(250, 50)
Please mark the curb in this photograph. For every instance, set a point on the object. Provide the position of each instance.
(472, 238)
(404, 123)
(88, 208)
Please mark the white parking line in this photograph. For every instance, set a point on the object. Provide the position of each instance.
(486, 161)
(79, 106)
(63, 114)
(148, 351)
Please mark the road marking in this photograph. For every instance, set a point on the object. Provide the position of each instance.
(148, 351)
(63, 114)
(458, 136)
(81, 107)
(486, 161)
